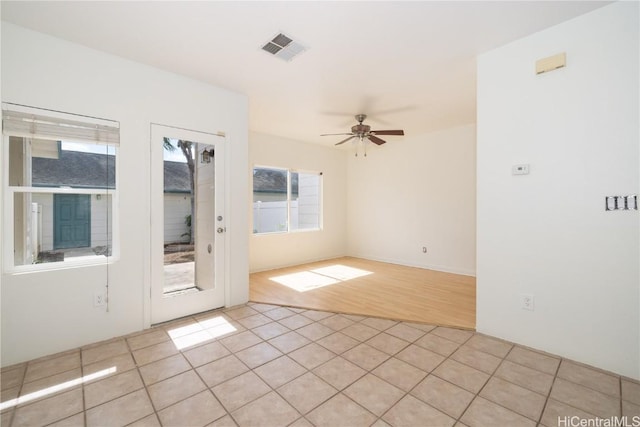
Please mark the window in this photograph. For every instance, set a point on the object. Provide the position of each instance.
(60, 189)
(286, 200)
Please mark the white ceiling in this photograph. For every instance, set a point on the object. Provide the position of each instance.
(409, 65)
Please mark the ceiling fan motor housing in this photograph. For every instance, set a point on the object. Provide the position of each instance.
(360, 129)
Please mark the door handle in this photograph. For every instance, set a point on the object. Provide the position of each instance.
(221, 230)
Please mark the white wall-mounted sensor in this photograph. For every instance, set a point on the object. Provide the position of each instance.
(520, 169)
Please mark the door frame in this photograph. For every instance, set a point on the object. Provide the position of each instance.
(197, 136)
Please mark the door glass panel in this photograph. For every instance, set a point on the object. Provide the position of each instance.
(189, 217)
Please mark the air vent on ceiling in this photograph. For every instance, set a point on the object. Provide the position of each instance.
(283, 47)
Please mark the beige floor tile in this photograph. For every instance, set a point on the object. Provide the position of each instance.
(270, 330)
(48, 367)
(295, 321)
(122, 411)
(411, 412)
(301, 422)
(279, 313)
(311, 355)
(400, 374)
(437, 344)
(555, 411)
(360, 332)
(380, 423)
(10, 394)
(338, 342)
(214, 320)
(339, 372)
(260, 307)
(258, 355)
(289, 342)
(225, 421)
(585, 398)
(268, 411)
(254, 321)
(365, 356)
(354, 317)
(591, 378)
(315, 331)
(297, 309)
(207, 353)
(420, 358)
(6, 418)
(405, 332)
(513, 397)
(317, 315)
(240, 312)
(387, 343)
(444, 396)
(534, 360)
(461, 375)
(340, 411)
(197, 410)
(490, 345)
(73, 421)
(378, 323)
(374, 394)
(49, 410)
(193, 340)
(240, 390)
(164, 368)
(280, 371)
(306, 392)
(12, 377)
(631, 391)
(62, 381)
(483, 413)
(336, 322)
(148, 421)
(154, 352)
(174, 389)
(452, 334)
(111, 388)
(221, 370)
(240, 341)
(182, 327)
(476, 359)
(226, 330)
(630, 410)
(106, 351)
(121, 363)
(525, 377)
(424, 327)
(153, 336)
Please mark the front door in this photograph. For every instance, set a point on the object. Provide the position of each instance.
(187, 222)
(72, 221)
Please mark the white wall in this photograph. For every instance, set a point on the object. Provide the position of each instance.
(414, 192)
(547, 233)
(176, 207)
(269, 251)
(42, 71)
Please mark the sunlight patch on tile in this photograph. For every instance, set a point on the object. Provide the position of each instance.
(56, 388)
(217, 327)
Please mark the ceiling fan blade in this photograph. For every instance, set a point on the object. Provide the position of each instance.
(388, 132)
(376, 140)
(333, 134)
(345, 140)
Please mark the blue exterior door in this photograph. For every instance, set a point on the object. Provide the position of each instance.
(71, 221)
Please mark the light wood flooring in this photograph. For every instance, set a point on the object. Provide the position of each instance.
(370, 288)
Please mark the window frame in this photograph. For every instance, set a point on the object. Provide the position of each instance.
(8, 231)
(290, 171)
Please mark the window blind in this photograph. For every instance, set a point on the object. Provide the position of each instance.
(38, 124)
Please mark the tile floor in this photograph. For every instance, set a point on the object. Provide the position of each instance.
(264, 365)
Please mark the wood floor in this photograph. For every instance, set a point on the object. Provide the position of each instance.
(358, 286)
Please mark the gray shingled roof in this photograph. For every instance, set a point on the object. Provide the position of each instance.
(89, 170)
(273, 181)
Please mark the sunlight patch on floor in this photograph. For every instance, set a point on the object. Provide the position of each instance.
(317, 278)
(199, 332)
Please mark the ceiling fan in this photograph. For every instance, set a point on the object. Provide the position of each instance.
(363, 132)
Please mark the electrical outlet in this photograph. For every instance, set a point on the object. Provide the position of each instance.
(99, 299)
(527, 302)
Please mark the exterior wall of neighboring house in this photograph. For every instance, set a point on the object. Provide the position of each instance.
(176, 207)
(100, 220)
